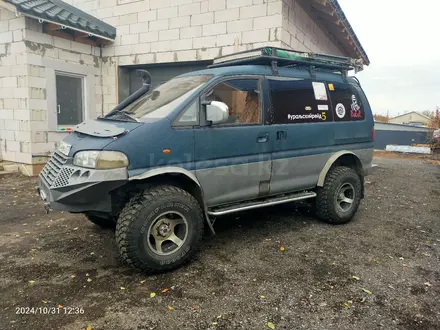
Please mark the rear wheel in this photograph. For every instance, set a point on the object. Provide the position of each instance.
(160, 229)
(339, 198)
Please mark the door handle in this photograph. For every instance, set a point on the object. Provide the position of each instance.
(263, 138)
(59, 108)
(281, 135)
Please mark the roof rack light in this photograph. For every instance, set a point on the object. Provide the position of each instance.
(288, 57)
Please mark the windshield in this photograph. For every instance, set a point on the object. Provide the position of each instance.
(165, 98)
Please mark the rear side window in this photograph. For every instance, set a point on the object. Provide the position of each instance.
(299, 101)
(347, 105)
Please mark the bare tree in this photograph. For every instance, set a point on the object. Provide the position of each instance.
(382, 118)
(434, 126)
(428, 113)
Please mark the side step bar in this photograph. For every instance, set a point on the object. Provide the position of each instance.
(261, 203)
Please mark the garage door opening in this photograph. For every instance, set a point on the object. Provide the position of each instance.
(129, 82)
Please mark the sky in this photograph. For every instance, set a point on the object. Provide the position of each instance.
(402, 40)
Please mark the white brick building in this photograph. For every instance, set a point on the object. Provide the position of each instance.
(59, 65)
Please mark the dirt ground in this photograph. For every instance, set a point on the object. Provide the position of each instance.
(382, 270)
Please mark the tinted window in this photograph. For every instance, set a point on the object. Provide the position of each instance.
(299, 101)
(242, 98)
(346, 103)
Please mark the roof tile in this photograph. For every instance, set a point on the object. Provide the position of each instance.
(62, 13)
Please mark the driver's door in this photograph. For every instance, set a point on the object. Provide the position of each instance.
(233, 159)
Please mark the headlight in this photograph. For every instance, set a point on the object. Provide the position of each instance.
(100, 159)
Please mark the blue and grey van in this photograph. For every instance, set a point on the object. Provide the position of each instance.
(257, 128)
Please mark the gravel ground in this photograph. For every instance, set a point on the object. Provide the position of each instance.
(382, 270)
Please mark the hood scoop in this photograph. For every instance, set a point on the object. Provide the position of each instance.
(99, 128)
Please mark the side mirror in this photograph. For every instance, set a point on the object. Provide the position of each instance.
(217, 112)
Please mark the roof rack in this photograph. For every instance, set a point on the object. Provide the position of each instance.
(279, 57)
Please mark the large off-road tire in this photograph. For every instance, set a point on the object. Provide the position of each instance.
(339, 198)
(159, 229)
(101, 222)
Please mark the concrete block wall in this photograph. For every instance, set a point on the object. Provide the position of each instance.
(158, 31)
(109, 80)
(24, 126)
(163, 31)
(299, 31)
(41, 47)
(15, 93)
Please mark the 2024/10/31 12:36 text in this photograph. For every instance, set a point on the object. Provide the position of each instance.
(49, 310)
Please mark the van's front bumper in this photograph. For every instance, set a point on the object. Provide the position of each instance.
(66, 187)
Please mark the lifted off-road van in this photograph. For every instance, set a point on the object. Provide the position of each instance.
(257, 128)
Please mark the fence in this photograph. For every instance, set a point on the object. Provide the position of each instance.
(397, 134)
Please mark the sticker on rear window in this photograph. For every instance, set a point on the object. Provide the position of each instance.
(355, 108)
(320, 92)
(340, 110)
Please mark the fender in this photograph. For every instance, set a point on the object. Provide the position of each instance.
(329, 164)
(173, 170)
(165, 170)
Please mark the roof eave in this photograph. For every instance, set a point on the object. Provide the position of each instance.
(330, 17)
(341, 15)
(418, 113)
(64, 15)
(66, 26)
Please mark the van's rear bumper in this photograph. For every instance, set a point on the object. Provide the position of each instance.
(84, 190)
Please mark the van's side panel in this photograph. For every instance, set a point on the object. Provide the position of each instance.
(230, 164)
(233, 161)
(357, 135)
(299, 158)
(300, 150)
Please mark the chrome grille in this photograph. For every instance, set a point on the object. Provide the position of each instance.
(52, 169)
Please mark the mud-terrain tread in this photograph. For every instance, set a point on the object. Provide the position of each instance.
(324, 211)
(130, 213)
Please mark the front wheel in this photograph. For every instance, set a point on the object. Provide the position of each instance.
(339, 198)
(160, 229)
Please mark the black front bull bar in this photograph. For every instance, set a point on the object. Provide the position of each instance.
(78, 196)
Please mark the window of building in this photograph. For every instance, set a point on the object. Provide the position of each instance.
(299, 101)
(347, 105)
(242, 96)
(69, 99)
